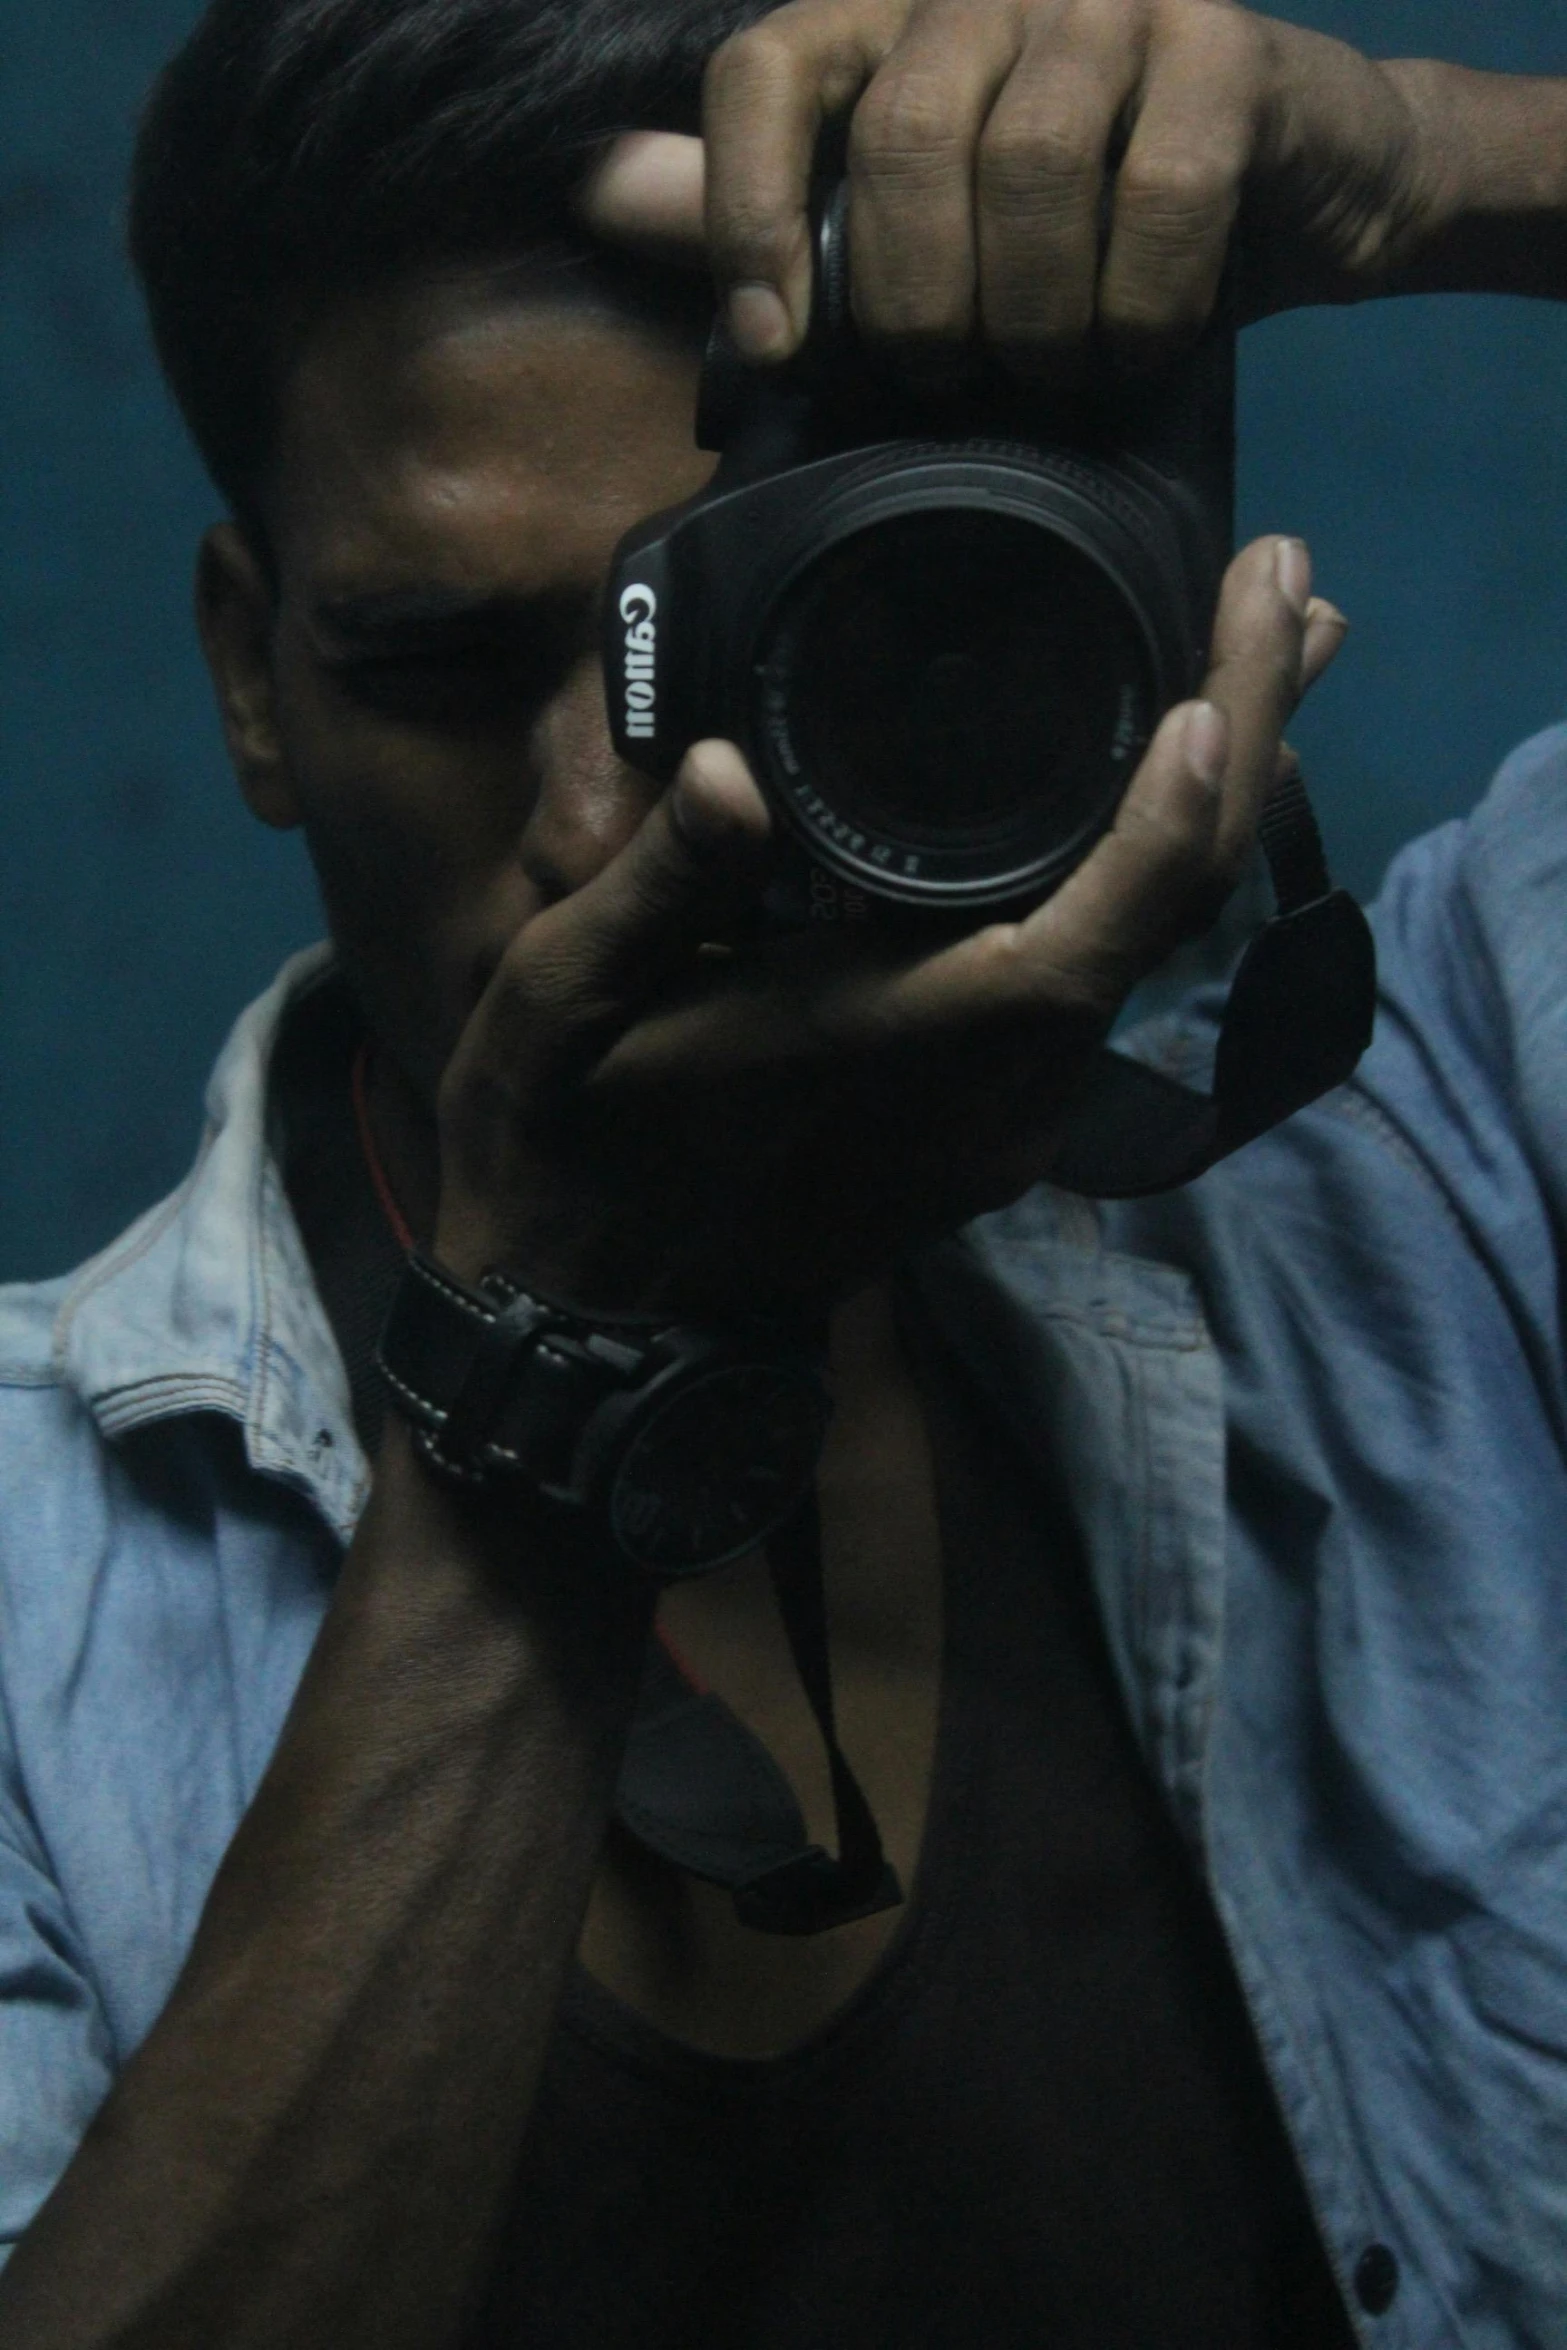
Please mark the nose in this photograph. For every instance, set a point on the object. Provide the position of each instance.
(588, 802)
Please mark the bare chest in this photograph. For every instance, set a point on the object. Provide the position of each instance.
(671, 1947)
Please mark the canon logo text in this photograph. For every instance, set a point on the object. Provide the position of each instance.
(637, 607)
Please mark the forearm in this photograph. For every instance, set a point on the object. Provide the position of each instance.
(1493, 171)
(314, 2145)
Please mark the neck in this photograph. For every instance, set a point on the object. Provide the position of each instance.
(403, 1134)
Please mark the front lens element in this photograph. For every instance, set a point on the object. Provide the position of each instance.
(952, 697)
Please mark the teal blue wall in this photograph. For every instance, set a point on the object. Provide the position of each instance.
(1419, 446)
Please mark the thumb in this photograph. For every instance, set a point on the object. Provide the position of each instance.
(646, 192)
(1152, 878)
(581, 973)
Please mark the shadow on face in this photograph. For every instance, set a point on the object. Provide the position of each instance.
(457, 460)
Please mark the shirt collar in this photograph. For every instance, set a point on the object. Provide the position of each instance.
(207, 1303)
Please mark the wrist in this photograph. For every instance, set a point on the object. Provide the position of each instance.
(1487, 209)
(581, 1268)
(465, 1571)
(677, 1446)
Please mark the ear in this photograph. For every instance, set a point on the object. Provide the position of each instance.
(236, 613)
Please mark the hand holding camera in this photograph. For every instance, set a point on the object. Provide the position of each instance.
(636, 1123)
(1046, 177)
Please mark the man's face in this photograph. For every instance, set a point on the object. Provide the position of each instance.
(456, 464)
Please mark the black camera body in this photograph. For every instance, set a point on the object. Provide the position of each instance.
(942, 631)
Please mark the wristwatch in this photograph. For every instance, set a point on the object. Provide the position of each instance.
(688, 1445)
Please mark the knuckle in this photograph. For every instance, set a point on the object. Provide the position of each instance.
(1180, 845)
(1035, 169)
(998, 960)
(749, 85)
(1237, 46)
(749, 64)
(1178, 197)
(904, 135)
(1216, 27)
(1082, 980)
(1259, 680)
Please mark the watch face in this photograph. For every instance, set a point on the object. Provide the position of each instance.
(711, 1472)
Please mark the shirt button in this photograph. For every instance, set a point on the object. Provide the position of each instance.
(1376, 2280)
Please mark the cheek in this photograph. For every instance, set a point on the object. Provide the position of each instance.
(415, 850)
(588, 805)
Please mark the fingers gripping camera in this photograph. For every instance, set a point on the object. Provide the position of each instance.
(943, 635)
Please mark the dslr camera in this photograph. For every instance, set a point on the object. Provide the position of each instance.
(941, 632)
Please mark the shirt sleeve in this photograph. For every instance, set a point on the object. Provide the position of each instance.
(1414, 1217)
(1468, 1068)
(1382, 1279)
(1514, 878)
(56, 2059)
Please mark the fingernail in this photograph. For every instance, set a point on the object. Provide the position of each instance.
(758, 321)
(702, 827)
(1205, 742)
(1292, 565)
(709, 804)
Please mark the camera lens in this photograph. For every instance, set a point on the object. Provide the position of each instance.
(951, 702)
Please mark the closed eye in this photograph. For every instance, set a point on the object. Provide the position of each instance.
(471, 688)
(470, 669)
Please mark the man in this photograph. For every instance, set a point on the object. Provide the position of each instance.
(1225, 2002)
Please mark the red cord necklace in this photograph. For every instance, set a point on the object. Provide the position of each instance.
(383, 1189)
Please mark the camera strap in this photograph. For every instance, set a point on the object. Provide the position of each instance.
(1295, 1023)
(701, 1790)
(696, 1786)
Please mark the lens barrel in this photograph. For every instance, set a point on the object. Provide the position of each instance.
(942, 632)
(964, 655)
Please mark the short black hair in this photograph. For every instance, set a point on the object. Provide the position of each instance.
(295, 149)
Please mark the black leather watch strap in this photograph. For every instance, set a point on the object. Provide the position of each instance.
(688, 1443)
(494, 1381)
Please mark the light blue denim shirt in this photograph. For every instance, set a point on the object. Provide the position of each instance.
(1310, 1413)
